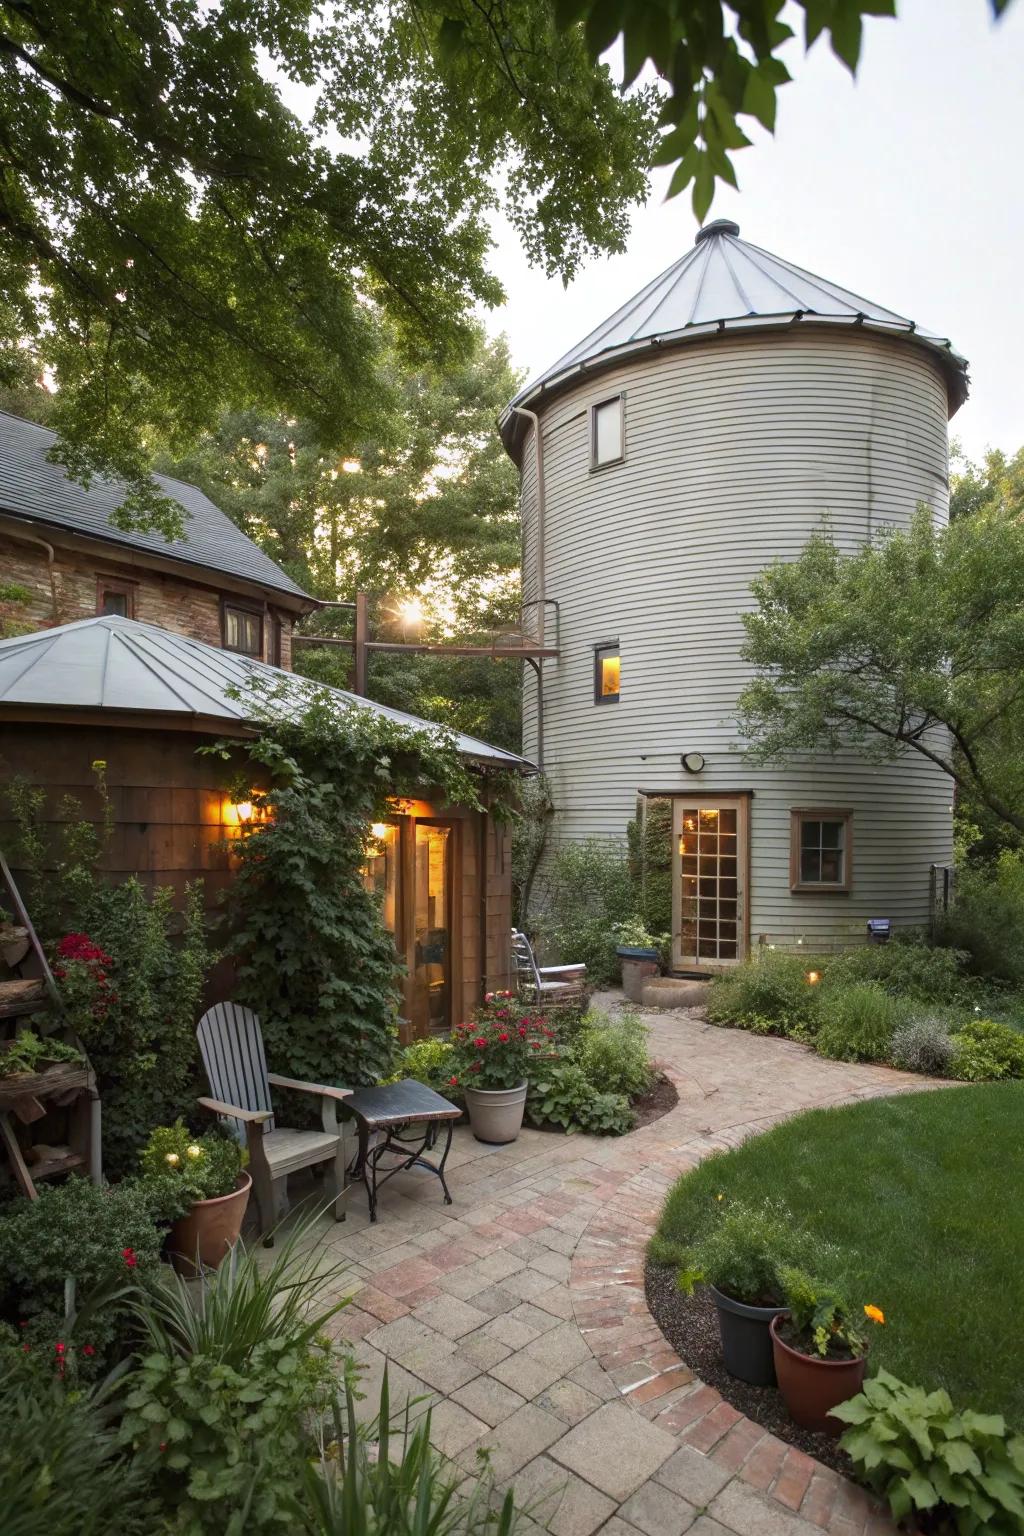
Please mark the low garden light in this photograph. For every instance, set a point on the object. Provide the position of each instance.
(812, 978)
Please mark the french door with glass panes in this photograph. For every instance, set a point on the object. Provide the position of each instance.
(709, 854)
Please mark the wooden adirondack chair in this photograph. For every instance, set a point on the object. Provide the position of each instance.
(231, 1044)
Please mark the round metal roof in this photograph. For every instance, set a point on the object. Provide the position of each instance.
(726, 285)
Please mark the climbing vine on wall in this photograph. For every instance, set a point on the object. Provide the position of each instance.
(312, 956)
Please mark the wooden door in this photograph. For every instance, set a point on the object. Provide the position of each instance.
(709, 895)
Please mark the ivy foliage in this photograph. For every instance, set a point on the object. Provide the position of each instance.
(912, 646)
(720, 61)
(174, 238)
(311, 954)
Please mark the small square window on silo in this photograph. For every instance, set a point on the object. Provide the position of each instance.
(607, 669)
(607, 441)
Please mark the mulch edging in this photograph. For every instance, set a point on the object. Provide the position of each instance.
(690, 1324)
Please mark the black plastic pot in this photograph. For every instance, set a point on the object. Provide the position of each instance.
(746, 1340)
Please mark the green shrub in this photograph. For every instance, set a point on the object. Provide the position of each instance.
(959, 1471)
(585, 889)
(768, 994)
(859, 1022)
(62, 1472)
(744, 1250)
(911, 970)
(564, 1095)
(75, 1229)
(984, 1050)
(821, 1322)
(225, 1394)
(922, 1045)
(428, 1061)
(98, 1238)
(987, 917)
(613, 1053)
(180, 1168)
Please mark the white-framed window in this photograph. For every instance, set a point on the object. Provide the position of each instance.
(821, 850)
(608, 432)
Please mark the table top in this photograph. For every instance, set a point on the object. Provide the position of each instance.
(397, 1103)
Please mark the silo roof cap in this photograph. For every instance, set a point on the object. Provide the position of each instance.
(723, 285)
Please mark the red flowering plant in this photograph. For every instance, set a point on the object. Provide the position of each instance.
(503, 1045)
(82, 970)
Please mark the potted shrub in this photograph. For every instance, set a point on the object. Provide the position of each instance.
(820, 1353)
(200, 1185)
(740, 1259)
(640, 952)
(491, 1062)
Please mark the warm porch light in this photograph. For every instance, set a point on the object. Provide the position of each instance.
(379, 830)
(243, 810)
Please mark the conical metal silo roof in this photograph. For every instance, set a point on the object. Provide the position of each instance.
(725, 284)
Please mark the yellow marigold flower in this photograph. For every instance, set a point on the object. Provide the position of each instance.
(875, 1313)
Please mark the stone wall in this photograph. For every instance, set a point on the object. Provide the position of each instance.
(184, 606)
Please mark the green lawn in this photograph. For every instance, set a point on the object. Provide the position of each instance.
(923, 1196)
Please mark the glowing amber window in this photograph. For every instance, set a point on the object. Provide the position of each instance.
(606, 674)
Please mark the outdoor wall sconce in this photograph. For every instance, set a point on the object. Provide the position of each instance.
(379, 830)
(243, 810)
(693, 762)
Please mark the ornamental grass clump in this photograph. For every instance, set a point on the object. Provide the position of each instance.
(180, 1168)
(745, 1249)
(502, 1047)
(859, 1022)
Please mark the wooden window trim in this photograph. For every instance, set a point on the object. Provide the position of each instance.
(612, 647)
(595, 467)
(126, 589)
(820, 813)
(257, 612)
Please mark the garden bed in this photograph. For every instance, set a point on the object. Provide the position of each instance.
(657, 1101)
(915, 1194)
(690, 1323)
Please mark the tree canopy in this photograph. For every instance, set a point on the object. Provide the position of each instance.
(720, 61)
(912, 645)
(175, 241)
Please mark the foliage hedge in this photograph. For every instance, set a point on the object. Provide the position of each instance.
(902, 1003)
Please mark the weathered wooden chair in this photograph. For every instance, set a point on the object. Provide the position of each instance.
(231, 1045)
(549, 986)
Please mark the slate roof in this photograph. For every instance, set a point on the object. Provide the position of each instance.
(724, 283)
(119, 664)
(30, 486)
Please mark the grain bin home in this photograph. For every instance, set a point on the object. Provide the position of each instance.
(705, 428)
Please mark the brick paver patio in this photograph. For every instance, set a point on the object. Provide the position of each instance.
(519, 1311)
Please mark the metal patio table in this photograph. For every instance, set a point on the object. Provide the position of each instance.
(405, 1119)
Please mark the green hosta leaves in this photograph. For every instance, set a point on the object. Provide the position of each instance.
(915, 1450)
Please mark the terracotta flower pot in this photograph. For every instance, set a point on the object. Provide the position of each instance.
(209, 1230)
(496, 1114)
(812, 1387)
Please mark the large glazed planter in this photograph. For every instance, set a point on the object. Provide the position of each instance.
(746, 1340)
(209, 1230)
(811, 1387)
(496, 1114)
(638, 966)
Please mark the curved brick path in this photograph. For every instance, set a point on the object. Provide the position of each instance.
(519, 1311)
